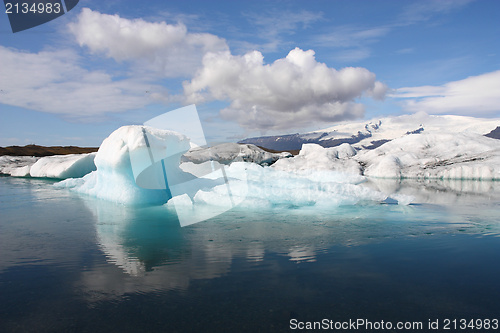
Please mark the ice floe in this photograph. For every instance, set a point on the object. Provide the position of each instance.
(63, 166)
(435, 155)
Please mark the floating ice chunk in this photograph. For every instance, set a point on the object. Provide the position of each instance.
(388, 166)
(17, 166)
(201, 191)
(435, 155)
(314, 157)
(182, 200)
(57, 166)
(63, 166)
(115, 177)
(21, 172)
(204, 169)
(268, 187)
(403, 199)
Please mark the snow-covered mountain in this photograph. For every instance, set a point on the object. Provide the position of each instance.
(372, 134)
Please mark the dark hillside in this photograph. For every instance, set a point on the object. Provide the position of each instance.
(40, 151)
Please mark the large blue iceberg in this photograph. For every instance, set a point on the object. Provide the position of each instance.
(142, 165)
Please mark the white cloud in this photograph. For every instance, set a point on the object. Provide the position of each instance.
(351, 36)
(271, 27)
(419, 11)
(275, 23)
(53, 82)
(407, 50)
(165, 48)
(350, 42)
(292, 92)
(474, 96)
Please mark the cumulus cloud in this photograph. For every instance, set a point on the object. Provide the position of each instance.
(165, 48)
(477, 95)
(53, 82)
(292, 92)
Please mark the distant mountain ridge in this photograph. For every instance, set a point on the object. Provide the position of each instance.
(495, 134)
(40, 151)
(374, 133)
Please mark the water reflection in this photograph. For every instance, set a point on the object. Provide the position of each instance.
(440, 191)
(40, 225)
(149, 252)
(89, 265)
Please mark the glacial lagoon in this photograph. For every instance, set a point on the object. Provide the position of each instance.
(70, 262)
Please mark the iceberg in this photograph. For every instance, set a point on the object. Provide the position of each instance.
(17, 166)
(63, 166)
(314, 157)
(57, 166)
(256, 186)
(123, 164)
(140, 165)
(463, 155)
(133, 161)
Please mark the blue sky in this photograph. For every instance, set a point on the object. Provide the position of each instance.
(251, 67)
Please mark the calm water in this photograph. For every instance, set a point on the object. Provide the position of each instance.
(72, 263)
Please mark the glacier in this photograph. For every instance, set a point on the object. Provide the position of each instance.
(372, 133)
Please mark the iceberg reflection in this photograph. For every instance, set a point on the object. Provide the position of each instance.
(154, 254)
(439, 191)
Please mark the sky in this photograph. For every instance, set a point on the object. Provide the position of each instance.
(251, 68)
